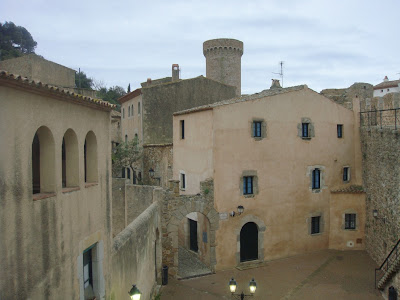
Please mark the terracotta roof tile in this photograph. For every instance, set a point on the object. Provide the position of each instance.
(243, 98)
(387, 84)
(32, 84)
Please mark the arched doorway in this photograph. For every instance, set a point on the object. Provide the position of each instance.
(194, 246)
(249, 242)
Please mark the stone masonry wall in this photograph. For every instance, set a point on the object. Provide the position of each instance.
(161, 101)
(344, 97)
(174, 208)
(381, 176)
(159, 158)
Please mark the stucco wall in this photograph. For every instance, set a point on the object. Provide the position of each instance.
(161, 101)
(42, 240)
(40, 69)
(339, 237)
(136, 255)
(132, 124)
(282, 162)
(194, 154)
(381, 153)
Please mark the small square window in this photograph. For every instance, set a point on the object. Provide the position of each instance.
(346, 174)
(257, 128)
(350, 221)
(339, 131)
(315, 225)
(247, 185)
(304, 130)
(316, 179)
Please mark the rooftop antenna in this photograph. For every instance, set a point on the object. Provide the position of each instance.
(281, 72)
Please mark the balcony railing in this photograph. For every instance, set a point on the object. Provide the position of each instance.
(381, 118)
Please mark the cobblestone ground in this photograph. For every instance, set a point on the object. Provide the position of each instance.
(189, 265)
(327, 275)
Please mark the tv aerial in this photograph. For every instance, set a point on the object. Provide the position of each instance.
(281, 72)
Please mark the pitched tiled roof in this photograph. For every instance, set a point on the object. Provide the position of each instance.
(387, 84)
(62, 94)
(243, 98)
(130, 95)
(352, 189)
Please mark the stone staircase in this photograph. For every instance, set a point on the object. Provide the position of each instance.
(389, 267)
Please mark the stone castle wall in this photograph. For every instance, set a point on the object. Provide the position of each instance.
(381, 176)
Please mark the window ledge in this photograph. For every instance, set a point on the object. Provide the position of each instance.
(314, 234)
(257, 138)
(316, 191)
(306, 138)
(350, 229)
(41, 196)
(70, 189)
(249, 196)
(90, 184)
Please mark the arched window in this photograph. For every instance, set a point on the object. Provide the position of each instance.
(123, 113)
(132, 111)
(129, 111)
(43, 161)
(126, 138)
(90, 155)
(70, 160)
(138, 108)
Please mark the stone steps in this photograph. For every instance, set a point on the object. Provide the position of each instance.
(251, 265)
(394, 268)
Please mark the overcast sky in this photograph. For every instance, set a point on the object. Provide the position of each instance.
(324, 44)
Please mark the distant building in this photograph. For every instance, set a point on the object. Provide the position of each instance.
(386, 86)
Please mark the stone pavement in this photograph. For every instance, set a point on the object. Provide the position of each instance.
(327, 275)
(189, 265)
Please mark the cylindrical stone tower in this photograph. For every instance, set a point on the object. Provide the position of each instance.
(223, 61)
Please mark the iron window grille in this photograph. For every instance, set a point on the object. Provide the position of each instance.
(350, 221)
(315, 224)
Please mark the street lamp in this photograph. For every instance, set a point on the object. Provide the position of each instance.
(241, 296)
(134, 293)
(152, 173)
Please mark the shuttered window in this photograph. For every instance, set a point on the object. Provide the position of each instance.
(248, 185)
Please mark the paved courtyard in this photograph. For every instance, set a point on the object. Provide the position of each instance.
(327, 275)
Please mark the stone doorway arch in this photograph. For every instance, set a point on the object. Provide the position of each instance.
(261, 229)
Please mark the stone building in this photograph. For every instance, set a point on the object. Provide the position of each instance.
(35, 67)
(56, 198)
(66, 230)
(386, 86)
(286, 167)
(147, 115)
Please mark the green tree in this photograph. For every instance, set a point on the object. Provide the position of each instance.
(112, 94)
(15, 41)
(82, 81)
(127, 155)
(129, 88)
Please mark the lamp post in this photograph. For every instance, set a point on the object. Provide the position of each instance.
(134, 293)
(152, 173)
(242, 296)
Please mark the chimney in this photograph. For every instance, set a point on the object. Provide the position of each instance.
(148, 81)
(386, 78)
(275, 84)
(175, 72)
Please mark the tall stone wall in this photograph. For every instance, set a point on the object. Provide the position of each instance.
(361, 90)
(381, 176)
(161, 101)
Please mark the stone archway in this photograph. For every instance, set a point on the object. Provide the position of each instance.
(261, 229)
(175, 209)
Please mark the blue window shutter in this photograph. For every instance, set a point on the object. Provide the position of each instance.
(244, 185)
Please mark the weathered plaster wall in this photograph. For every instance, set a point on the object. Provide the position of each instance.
(281, 162)
(136, 255)
(37, 68)
(42, 240)
(161, 101)
(118, 205)
(381, 161)
(339, 237)
(132, 124)
(194, 154)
